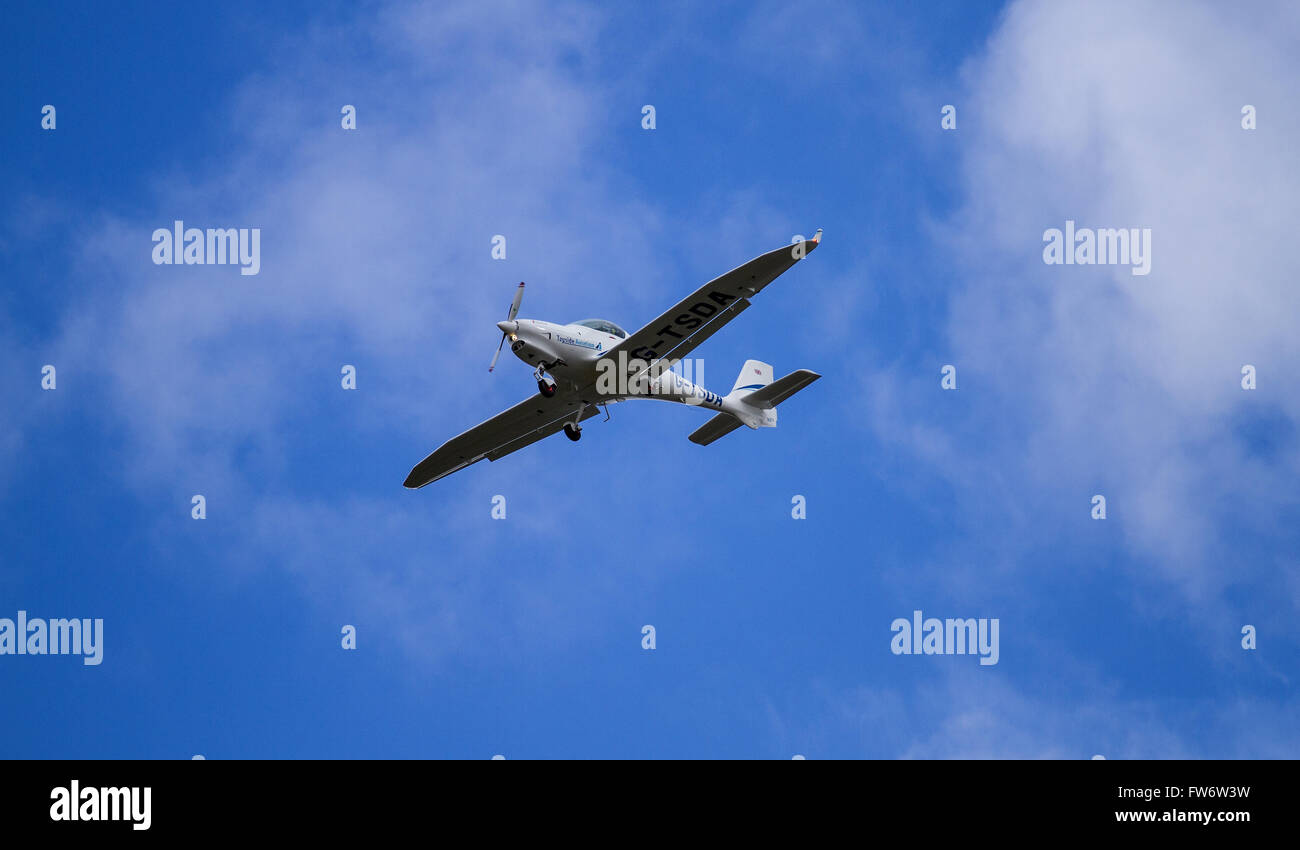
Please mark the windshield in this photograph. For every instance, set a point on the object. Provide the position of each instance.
(604, 327)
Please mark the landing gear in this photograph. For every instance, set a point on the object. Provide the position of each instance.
(545, 383)
(573, 432)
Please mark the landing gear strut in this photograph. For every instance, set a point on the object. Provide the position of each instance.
(573, 430)
(545, 384)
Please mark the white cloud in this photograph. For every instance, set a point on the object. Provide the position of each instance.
(375, 250)
(1124, 115)
(1082, 380)
(375, 244)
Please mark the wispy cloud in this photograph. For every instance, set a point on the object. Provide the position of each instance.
(1087, 379)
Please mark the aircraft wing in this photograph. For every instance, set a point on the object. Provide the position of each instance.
(701, 314)
(522, 425)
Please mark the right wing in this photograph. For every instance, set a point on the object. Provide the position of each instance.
(522, 425)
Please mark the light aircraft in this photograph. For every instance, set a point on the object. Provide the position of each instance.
(584, 365)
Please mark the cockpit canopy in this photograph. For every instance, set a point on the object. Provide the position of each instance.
(604, 327)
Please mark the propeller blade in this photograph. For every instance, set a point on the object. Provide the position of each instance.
(514, 305)
(498, 354)
(514, 311)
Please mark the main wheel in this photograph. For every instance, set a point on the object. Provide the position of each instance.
(546, 389)
(572, 432)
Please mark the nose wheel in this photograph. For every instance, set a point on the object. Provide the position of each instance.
(545, 383)
(573, 432)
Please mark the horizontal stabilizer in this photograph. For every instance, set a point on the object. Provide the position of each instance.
(719, 426)
(778, 391)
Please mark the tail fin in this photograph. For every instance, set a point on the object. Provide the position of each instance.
(754, 375)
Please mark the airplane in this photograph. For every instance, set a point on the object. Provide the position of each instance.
(583, 366)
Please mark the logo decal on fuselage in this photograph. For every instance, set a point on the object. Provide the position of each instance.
(580, 343)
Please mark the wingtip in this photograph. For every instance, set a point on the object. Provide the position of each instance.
(817, 237)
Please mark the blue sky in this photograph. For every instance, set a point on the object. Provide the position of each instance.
(522, 636)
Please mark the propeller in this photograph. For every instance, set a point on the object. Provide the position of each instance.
(508, 327)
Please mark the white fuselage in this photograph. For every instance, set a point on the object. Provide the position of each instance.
(573, 354)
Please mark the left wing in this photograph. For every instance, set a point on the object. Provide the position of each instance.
(700, 315)
(522, 425)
